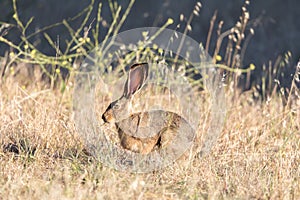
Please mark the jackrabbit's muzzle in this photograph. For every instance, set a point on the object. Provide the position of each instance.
(107, 115)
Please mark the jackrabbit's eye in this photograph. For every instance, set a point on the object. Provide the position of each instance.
(116, 106)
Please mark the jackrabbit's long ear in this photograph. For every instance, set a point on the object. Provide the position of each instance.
(137, 76)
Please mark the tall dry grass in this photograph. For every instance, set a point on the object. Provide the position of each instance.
(42, 157)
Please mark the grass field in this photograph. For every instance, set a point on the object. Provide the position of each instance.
(257, 155)
(41, 157)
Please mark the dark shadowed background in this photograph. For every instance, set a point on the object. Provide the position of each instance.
(276, 23)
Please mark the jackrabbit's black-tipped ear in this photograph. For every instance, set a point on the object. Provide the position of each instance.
(138, 74)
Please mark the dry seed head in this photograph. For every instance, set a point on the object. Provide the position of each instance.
(11, 54)
(145, 34)
(232, 30)
(237, 32)
(252, 66)
(282, 91)
(57, 70)
(238, 25)
(104, 23)
(218, 57)
(246, 16)
(170, 21)
(242, 35)
(277, 81)
(33, 53)
(197, 8)
(181, 17)
(234, 39)
(12, 70)
(220, 24)
(176, 35)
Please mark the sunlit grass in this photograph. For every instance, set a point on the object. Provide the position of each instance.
(257, 155)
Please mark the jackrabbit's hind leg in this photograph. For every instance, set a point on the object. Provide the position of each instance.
(167, 135)
(175, 146)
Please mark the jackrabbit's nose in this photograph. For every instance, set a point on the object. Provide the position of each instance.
(107, 117)
(104, 118)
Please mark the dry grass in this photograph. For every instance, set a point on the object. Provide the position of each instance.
(257, 155)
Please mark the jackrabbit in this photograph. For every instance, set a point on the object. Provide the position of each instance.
(142, 132)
